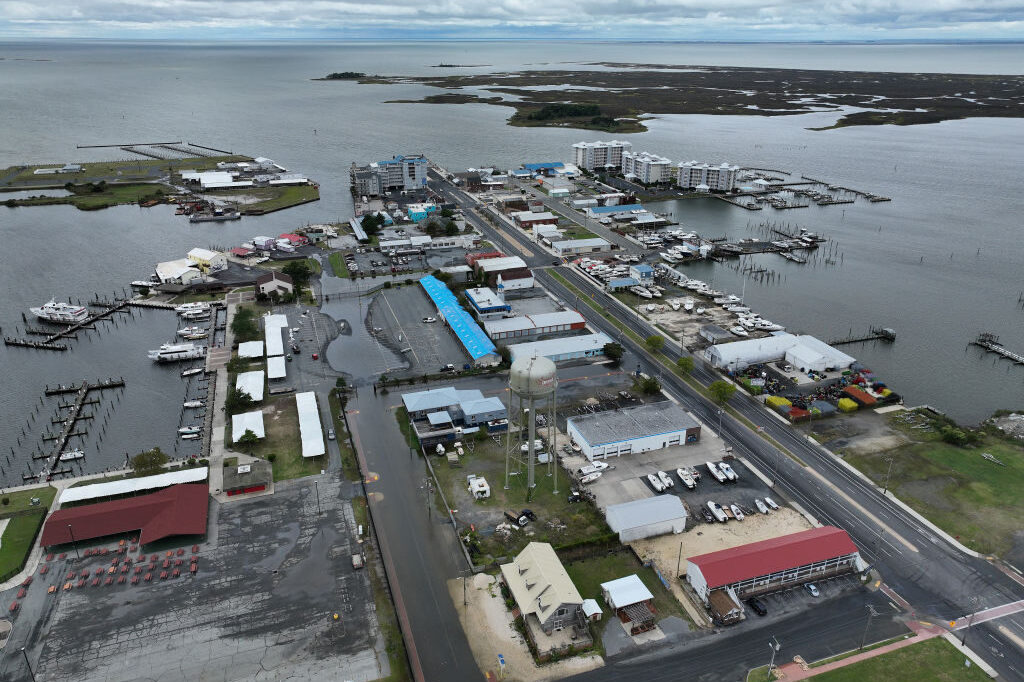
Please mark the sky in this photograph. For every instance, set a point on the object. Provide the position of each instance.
(516, 19)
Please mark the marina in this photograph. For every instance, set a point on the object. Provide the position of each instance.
(990, 342)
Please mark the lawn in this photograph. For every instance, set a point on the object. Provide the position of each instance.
(971, 498)
(271, 198)
(113, 195)
(281, 424)
(22, 499)
(570, 522)
(348, 456)
(338, 264)
(935, 660)
(588, 574)
(575, 231)
(312, 263)
(118, 171)
(17, 542)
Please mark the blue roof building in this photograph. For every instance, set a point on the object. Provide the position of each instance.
(473, 339)
(545, 166)
(642, 272)
(604, 210)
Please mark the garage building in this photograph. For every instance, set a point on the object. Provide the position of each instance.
(572, 247)
(526, 326)
(775, 564)
(647, 518)
(635, 429)
(803, 352)
(561, 350)
(486, 304)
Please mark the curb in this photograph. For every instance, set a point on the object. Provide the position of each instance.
(966, 651)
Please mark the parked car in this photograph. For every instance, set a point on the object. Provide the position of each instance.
(430, 319)
(813, 589)
(758, 606)
(316, 356)
(330, 434)
(448, 368)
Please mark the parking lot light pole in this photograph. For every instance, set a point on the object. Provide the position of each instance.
(74, 544)
(887, 475)
(679, 561)
(316, 488)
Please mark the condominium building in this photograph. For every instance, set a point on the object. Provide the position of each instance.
(646, 167)
(695, 175)
(600, 155)
(398, 173)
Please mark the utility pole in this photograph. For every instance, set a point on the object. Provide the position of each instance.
(887, 475)
(28, 665)
(317, 489)
(970, 620)
(75, 544)
(871, 614)
(679, 561)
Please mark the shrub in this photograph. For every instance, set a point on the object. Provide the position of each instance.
(6, 501)
(271, 457)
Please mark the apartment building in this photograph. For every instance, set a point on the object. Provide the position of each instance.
(600, 155)
(646, 167)
(696, 175)
(400, 173)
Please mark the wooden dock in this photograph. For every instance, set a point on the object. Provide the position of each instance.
(48, 343)
(874, 334)
(70, 420)
(60, 389)
(990, 342)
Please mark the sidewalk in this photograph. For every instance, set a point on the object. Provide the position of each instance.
(922, 632)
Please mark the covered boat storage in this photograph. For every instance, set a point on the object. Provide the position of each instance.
(310, 429)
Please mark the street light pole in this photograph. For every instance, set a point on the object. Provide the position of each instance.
(679, 561)
(316, 488)
(887, 474)
(73, 543)
(774, 646)
(28, 665)
(871, 614)
(970, 619)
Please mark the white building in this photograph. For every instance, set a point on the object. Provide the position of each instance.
(208, 261)
(647, 517)
(646, 167)
(704, 177)
(181, 271)
(636, 429)
(600, 155)
(247, 421)
(560, 350)
(804, 352)
(310, 431)
(251, 383)
(398, 173)
(572, 247)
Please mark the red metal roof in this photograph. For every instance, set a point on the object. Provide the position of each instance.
(728, 566)
(177, 510)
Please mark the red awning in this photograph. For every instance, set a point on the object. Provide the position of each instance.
(178, 510)
(728, 566)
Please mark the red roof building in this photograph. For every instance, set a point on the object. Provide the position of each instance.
(177, 510)
(295, 239)
(771, 565)
(240, 252)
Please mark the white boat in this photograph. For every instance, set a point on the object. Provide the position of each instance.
(590, 478)
(739, 331)
(185, 430)
(196, 315)
(641, 292)
(668, 258)
(688, 305)
(191, 307)
(77, 453)
(185, 331)
(656, 483)
(737, 512)
(675, 304)
(737, 308)
(51, 311)
(686, 478)
(717, 512)
(728, 300)
(191, 404)
(175, 352)
(761, 506)
(768, 325)
(666, 480)
(699, 311)
(191, 371)
(651, 307)
(197, 336)
(655, 293)
(726, 469)
(190, 436)
(771, 503)
(715, 472)
(143, 284)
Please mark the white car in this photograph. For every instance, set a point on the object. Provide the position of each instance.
(430, 319)
(813, 589)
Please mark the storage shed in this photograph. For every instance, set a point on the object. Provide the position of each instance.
(647, 518)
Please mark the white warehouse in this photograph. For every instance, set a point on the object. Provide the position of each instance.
(647, 518)
(636, 429)
(804, 352)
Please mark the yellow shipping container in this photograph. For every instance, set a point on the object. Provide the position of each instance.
(776, 401)
(847, 405)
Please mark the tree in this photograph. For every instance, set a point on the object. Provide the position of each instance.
(248, 440)
(149, 462)
(450, 228)
(237, 364)
(371, 223)
(243, 326)
(721, 391)
(237, 401)
(506, 355)
(655, 342)
(299, 272)
(613, 351)
(685, 364)
(647, 385)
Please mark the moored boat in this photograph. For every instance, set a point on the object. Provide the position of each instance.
(191, 404)
(77, 453)
(175, 352)
(187, 430)
(191, 371)
(64, 313)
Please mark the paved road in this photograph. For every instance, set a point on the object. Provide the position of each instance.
(937, 580)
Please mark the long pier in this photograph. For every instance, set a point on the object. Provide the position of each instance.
(874, 334)
(71, 419)
(68, 332)
(131, 144)
(990, 342)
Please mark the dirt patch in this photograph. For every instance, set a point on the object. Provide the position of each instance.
(490, 630)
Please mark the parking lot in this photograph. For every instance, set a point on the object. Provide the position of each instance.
(271, 575)
(398, 314)
(365, 260)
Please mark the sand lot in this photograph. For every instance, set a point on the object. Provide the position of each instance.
(488, 625)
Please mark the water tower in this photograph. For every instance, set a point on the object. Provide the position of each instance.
(532, 390)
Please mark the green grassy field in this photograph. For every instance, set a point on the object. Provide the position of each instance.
(574, 231)
(271, 198)
(972, 498)
(17, 542)
(338, 265)
(283, 441)
(21, 500)
(112, 195)
(935, 660)
(588, 574)
(126, 170)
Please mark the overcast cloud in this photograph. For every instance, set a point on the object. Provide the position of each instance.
(585, 19)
